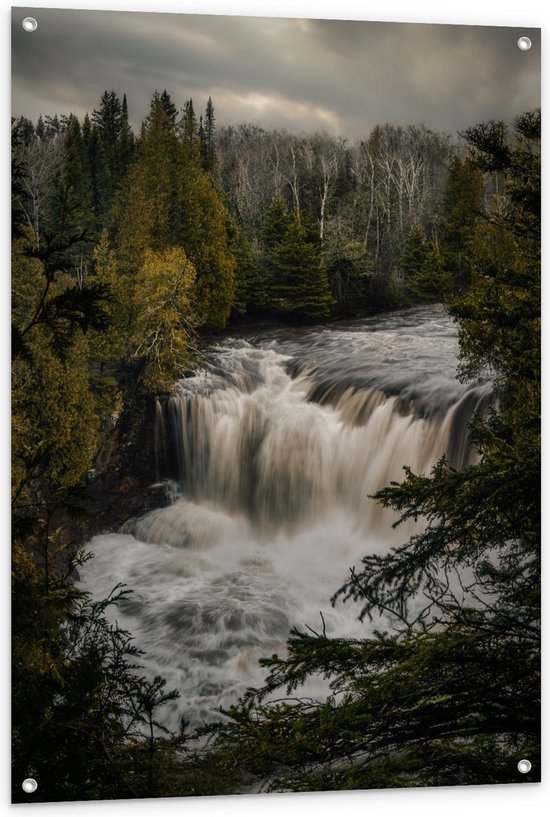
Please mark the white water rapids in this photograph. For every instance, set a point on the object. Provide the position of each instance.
(275, 445)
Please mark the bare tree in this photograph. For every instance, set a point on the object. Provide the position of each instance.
(42, 161)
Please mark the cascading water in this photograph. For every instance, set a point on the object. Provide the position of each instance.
(276, 445)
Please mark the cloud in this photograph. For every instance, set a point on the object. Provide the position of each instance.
(340, 76)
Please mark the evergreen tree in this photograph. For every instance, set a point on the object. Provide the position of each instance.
(108, 120)
(19, 194)
(162, 316)
(126, 141)
(250, 282)
(40, 128)
(113, 152)
(349, 271)
(170, 110)
(80, 710)
(189, 127)
(432, 282)
(145, 211)
(462, 207)
(202, 143)
(26, 130)
(276, 225)
(209, 137)
(202, 232)
(53, 127)
(71, 212)
(99, 175)
(299, 284)
(169, 201)
(414, 253)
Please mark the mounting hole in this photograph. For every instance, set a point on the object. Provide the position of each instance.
(29, 24)
(524, 43)
(29, 785)
(524, 766)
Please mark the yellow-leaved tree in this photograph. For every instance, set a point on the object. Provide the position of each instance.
(163, 319)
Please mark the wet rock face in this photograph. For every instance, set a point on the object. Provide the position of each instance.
(122, 482)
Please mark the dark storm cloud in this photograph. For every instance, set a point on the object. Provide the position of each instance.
(343, 77)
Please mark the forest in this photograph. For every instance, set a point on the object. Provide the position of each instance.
(130, 248)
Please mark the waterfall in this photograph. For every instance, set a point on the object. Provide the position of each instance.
(277, 444)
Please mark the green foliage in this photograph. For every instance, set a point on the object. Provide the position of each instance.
(71, 211)
(415, 251)
(462, 207)
(46, 298)
(426, 271)
(167, 201)
(298, 284)
(55, 421)
(18, 179)
(205, 241)
(350, 272)
(110, 146)
(209, 140)
(432, 282)
(86, 724)
(277, 222)
(250, 283)
(55, 408)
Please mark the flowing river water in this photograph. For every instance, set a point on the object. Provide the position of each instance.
(274, 447)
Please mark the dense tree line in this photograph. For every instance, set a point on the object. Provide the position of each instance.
(124, 247)
(356, 206)
(363, 198)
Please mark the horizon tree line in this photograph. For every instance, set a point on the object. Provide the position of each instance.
(356, 207)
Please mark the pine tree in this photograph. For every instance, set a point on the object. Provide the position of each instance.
(299, 284)
(250, 282)
(202, 143)
(168, 200)
(349, 270)
(71, 210)
(162, 316)
(99, 175)
(115, 150)
(415, 250)
(189, 127)
(461, 209)
(433, 282)
(108, 120)
(126, 141)
(167, 105)
(145, 212)
(209, 137)
(26, 130)
(40, 129)
(276, 225)
(53, 126)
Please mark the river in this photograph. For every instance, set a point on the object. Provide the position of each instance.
(273, 449)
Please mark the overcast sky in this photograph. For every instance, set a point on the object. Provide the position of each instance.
(342, 77)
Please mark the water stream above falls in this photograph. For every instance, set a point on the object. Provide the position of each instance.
(275, 445)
